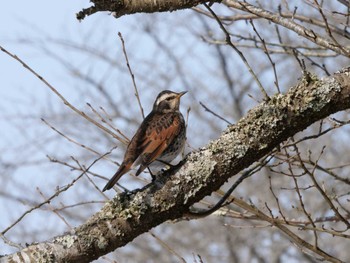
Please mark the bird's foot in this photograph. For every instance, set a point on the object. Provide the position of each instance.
(131, 192)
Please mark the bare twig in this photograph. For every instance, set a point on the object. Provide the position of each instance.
(246, 174)
(288, 23)
(57, 193)
(319, 188)
(107, 122)
(53, 209)
(81, 113)
(215, 114)
(240, 54)
(167, 247)
(301, 201)
(131, 74)
(273, 64)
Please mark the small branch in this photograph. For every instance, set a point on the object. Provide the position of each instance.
(109, 124)
(301, 243)
(301, 201)
(240, 54)
(327, 26)
(273, 64)
(58, 192)
(246, 174)
(319, 188)
(81, 113)
(287, 23)
(215, 114)
(131, 74)
(167, 247)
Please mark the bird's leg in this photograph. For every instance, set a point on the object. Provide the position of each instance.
(127, 191)
(173, 167)
(132, 192)
(152, 175)
(166, 163)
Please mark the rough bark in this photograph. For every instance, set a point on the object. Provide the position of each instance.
(127, 7)
(127, 216)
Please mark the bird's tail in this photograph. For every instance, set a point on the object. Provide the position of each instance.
(123, 169)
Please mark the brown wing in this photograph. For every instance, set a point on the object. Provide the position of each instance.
(154, 135)
(157, 138)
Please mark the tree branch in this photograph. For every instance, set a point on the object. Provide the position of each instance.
(121, 7)
(290, 24)
(127, 216)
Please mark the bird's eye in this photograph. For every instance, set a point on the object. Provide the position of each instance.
(168, 99)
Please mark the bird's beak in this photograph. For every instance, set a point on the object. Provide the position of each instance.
(180, 94)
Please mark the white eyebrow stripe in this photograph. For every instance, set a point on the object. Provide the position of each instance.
(164, 97)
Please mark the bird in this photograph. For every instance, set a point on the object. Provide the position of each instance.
(160, 137)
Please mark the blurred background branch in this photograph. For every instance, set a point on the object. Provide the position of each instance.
(304, 188)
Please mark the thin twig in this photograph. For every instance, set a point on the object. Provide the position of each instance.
(215, 114)
(297, 189)
(287, 23)
(328, 30)
(81, 113)
(268, 55)
(222, 202)
(167, 247)
(131, 74)
(70, 139)
(10, 243)
(108, 123)
(57, 193)
(319, 188)
(229, 42)
(54, 210)
(301, 243)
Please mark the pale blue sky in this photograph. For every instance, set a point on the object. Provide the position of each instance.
(23, 94)
(25, 32)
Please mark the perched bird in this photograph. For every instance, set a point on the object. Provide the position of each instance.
(161, 136)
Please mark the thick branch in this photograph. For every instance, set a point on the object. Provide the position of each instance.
(127, 216)
(127, 7)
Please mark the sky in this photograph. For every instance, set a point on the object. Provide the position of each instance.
(32, 20)
(26, 32)
(21, 22)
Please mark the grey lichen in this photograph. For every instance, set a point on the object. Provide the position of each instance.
(198, 172)
(135, 208)
(323, 92)
(66, 241)
(330, 85)
(41, 257)
(314, 98)
(102, 242)
(127, 213)
(240, 150)
(230, 146)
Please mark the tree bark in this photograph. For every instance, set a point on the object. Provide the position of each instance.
(124, 7)
(264, 127)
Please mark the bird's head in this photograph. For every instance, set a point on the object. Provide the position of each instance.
(168, 101)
